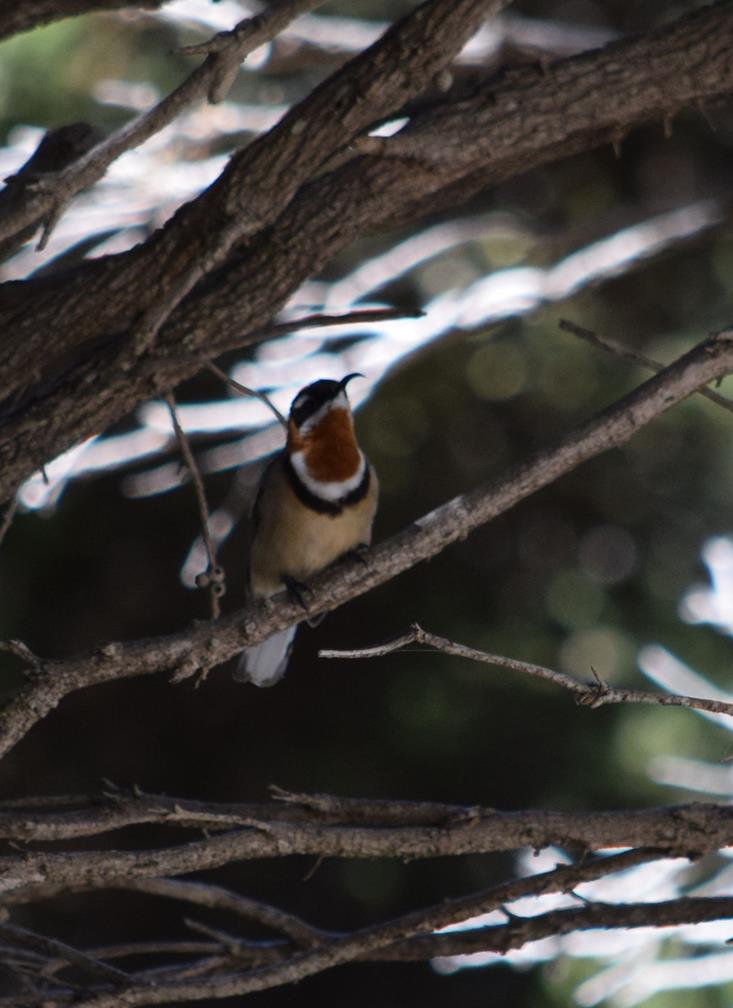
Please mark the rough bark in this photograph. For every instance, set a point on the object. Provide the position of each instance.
(678, 831)
(24, 15)
(81, 350)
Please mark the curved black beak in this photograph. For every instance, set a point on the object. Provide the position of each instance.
(344, 381)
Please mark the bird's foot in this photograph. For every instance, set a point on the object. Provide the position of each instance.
(359, 553)
(296, 590)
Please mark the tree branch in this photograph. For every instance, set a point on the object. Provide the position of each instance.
(518, 931)
(213, 577)
(34, 819)
(209, 644)
(21, 17)
(525, 120)
(627, 353)
(49, 193)
(588, 693)
(369, 940)
(677, 831)
(217, 898)
(498, 938)
(52, 947)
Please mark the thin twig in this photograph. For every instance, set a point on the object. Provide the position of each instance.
(60, 950)
(218, 898)
(634, 356)
(500, 938)
(363, 316)
(247, 391)
(213, 577)
(8, 517)
(590, 694)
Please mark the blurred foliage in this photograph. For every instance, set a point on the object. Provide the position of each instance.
(579, 576)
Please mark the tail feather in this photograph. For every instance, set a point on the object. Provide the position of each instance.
(265, 663)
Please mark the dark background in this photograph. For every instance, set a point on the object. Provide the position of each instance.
(580, 575)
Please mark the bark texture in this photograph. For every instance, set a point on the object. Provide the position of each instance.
(83, 348)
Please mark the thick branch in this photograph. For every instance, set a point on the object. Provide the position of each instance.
(209, 644)
(51, 192)
(80, 816)
(257, 184)
(677, 831)
(34, 820)
(526, 119)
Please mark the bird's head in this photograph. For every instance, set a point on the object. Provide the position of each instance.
(313, 403)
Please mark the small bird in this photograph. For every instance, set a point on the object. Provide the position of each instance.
(315, 502)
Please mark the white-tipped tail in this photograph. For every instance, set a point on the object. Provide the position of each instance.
(265, 663)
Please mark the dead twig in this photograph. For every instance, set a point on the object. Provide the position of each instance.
(60, 950)
(217, 898)
(590, 694)
(8, 517)
(617, 349)
(248, 392)
(213, 577)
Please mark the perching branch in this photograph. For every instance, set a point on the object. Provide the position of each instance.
(362, 827)
(210, 644)
(589, 693)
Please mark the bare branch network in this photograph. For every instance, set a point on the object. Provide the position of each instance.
(132, 325)
(316, 824)
(198, 649)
